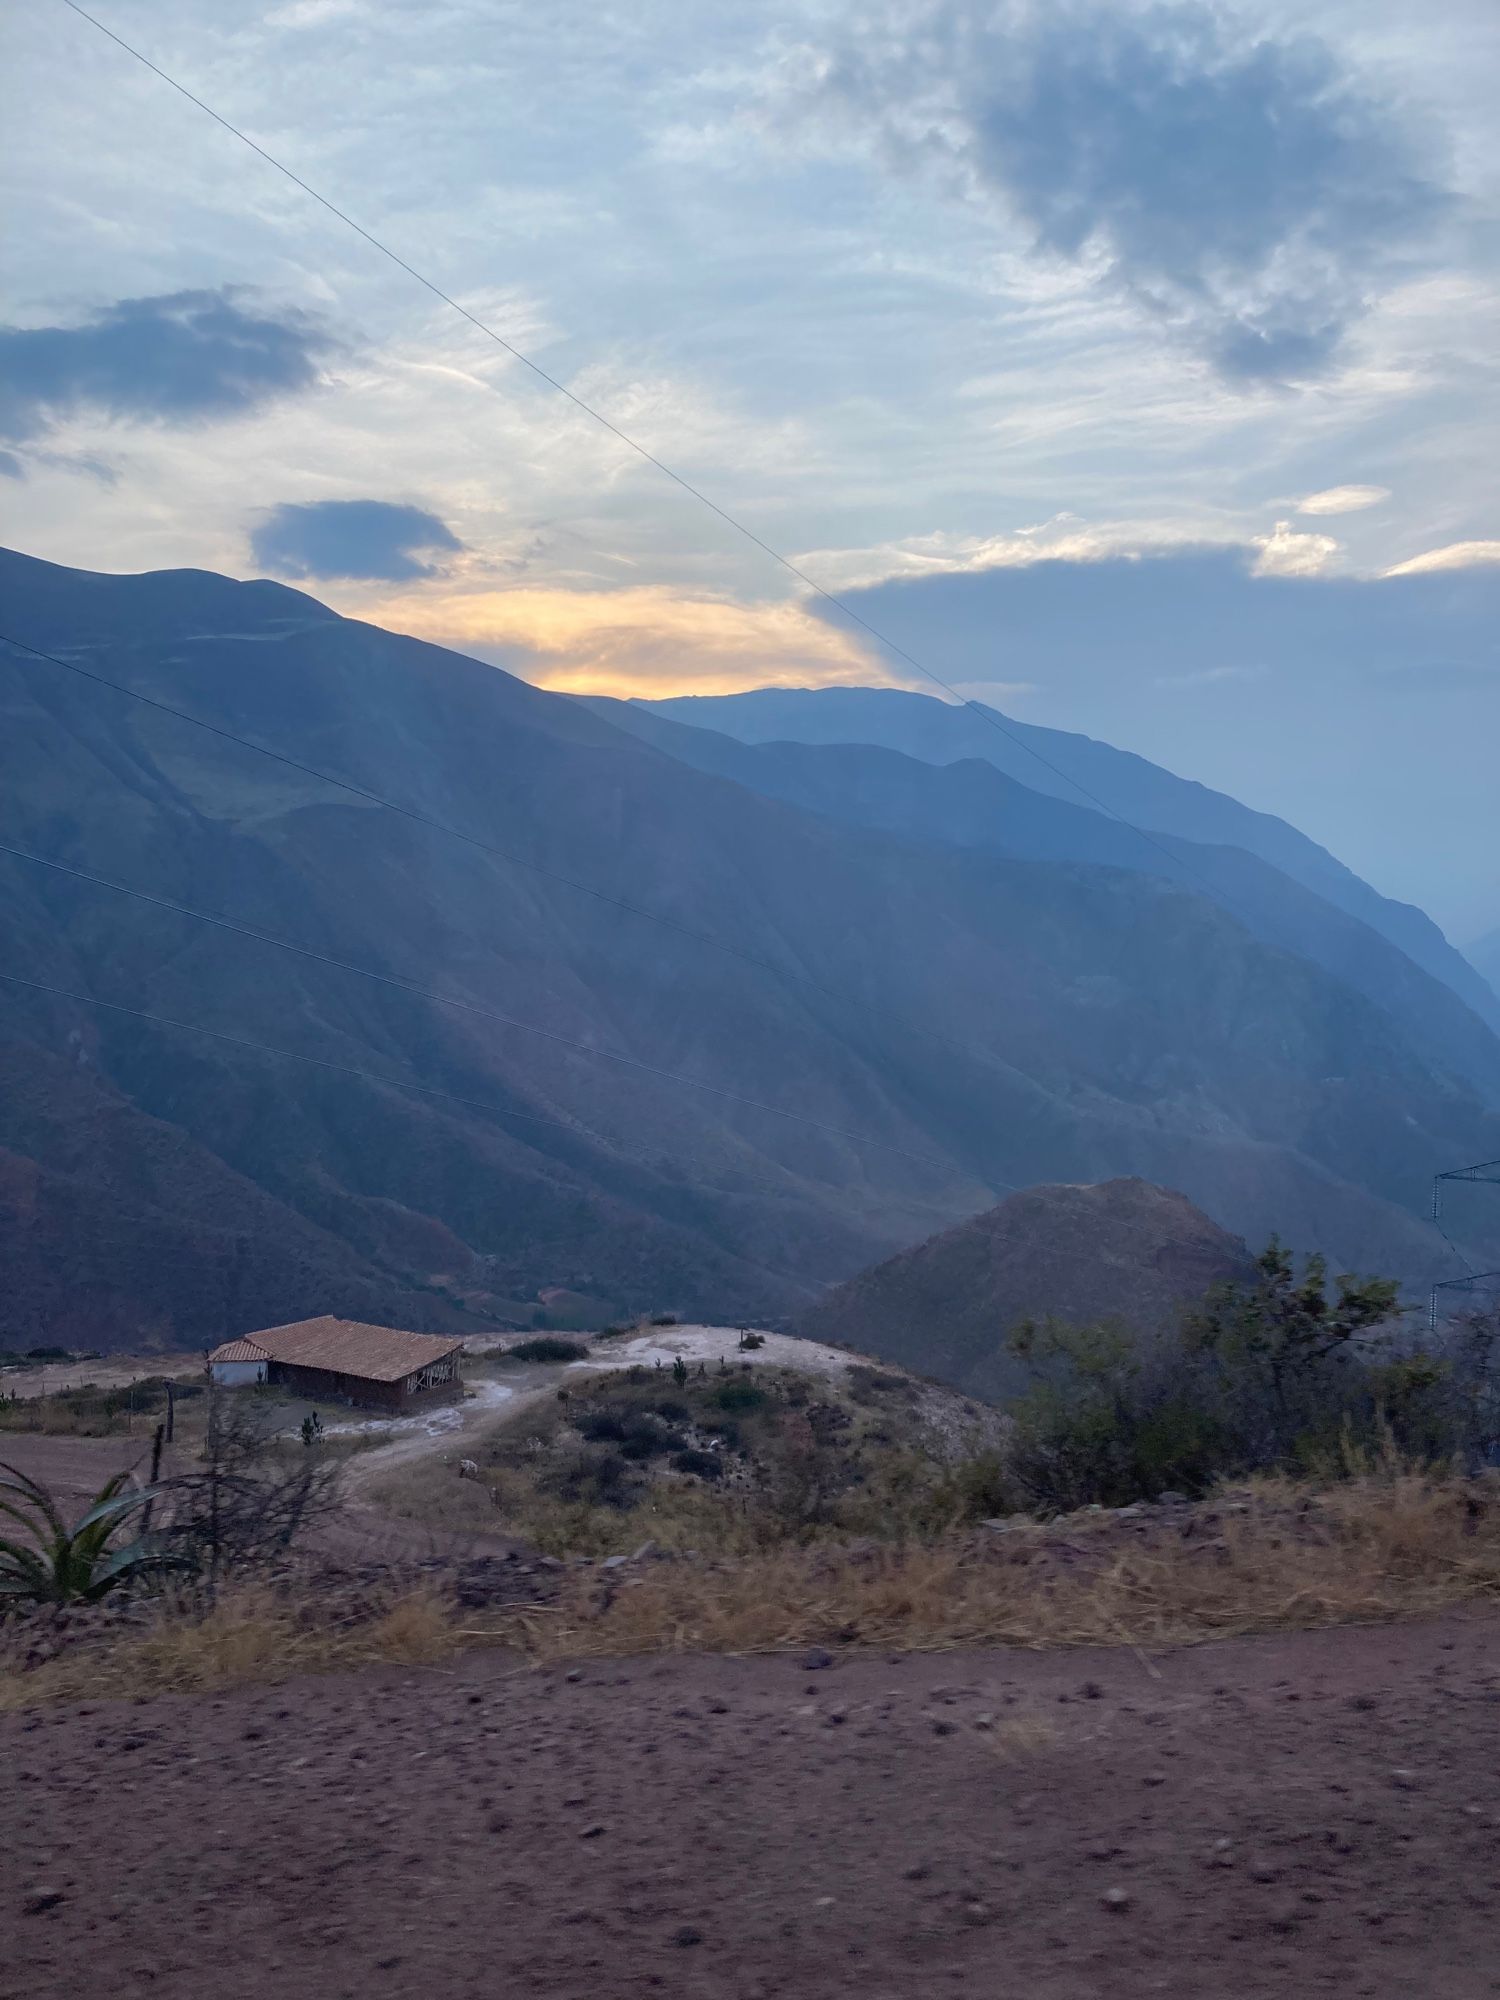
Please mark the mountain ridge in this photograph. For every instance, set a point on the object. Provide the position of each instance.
(972, 804)
(1141, 793)
(1008, 1020)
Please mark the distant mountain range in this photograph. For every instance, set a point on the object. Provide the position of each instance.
(1484, 956)
(971, 804)
(941, 985)
(1057, 762)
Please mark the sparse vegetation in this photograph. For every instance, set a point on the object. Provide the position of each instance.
(94, 1411)
(1390, 1541)
(58, 1564)
(1279, 1375)
(742, 1460)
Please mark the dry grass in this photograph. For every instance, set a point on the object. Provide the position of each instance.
(1374, 1549)
(249, 1636)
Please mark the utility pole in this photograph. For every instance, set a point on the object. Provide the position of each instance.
(1485, 1174)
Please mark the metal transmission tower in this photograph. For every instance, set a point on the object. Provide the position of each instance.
(1487, 1173)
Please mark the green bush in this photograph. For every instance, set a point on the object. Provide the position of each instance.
(739, 1393)
(548, 1348)
(701, 1464)
(1283, 1373)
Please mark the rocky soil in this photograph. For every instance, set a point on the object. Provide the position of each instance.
(1303, 1814)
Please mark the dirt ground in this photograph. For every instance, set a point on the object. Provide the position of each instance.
(1308, 1814)
(74, 1469)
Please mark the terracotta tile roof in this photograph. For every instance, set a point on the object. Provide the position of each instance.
(239, 1350)
(345, 1347)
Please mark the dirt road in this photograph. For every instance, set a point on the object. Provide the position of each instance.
(1307, 1815)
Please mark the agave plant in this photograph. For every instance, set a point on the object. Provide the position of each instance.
(77, 1565)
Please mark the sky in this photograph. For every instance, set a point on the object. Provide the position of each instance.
(1133, 366)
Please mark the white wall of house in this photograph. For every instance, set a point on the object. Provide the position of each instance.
(234, 1374)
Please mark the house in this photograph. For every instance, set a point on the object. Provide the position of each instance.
(341, 1361)
(238, 1362)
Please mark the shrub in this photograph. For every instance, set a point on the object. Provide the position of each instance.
(736, 1393)
(646, 1436)
(548, 1348)
(590, 1478)
(1281, 1374)
(701, 1464)
(602, 1426)
(664, 1319)
(867, 1382)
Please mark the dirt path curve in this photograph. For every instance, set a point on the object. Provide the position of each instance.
(441, 1432)
(1304, 1815)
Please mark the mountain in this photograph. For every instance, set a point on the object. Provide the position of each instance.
(1484, 956)
(1121, 1250)
(1058, 762)
(892, 1030)
(971, 804)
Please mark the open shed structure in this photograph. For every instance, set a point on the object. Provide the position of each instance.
(342, 1361)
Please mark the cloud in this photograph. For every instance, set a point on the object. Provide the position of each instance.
(10, 466)
(644, 640)
(1457, 555)
(1066, 538)
(369, 539)
(180, 358)
(1208, 676)
(1343, 499)
(1107, 629)
(1287, 552)
(1238, 188)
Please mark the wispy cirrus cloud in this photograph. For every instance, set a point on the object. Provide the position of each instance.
(1457, 555)
(1243, 188)
(1343, 499)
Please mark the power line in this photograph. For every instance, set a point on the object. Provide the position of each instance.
(995, 721)
(418, 818)
(467, 1006)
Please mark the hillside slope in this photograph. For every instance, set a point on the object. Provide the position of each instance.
(1144, 793)
(1121, 1250)
(1484, 956)
(928, 1025)
(971, 804)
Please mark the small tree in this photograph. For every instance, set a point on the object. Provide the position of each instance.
(1108, 1417)
(248, 1504)
(1292, 1360)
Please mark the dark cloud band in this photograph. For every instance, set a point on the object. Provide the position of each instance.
(1241, 189)
(183, 357)
(371, 539)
